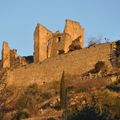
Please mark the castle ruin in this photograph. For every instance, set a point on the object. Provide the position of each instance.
(10, 58)
(48, 44)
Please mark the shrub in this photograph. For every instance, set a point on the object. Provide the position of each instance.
(91, 43)
(20, 115)
(51, 118)
(0, 64)
(46, 95)
(63, 92)
(32, 89)
(22, 102)
(79, 90)
(105, 106)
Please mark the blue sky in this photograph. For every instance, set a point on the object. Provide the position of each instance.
(18, 19)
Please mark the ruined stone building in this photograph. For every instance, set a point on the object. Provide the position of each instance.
(10, 58)
(48, 44)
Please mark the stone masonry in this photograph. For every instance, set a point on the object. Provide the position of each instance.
(48, 44)
(73, 63)
(10, 58)
(41, 37)
(5, 55)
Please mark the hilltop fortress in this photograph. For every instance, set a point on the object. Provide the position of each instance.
(55, 52)
(48, 44)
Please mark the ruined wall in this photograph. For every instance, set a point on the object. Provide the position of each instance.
(58, 42)
(10, 58)
(74, 29)
(67, 41)
(13, 56)
(47, 44)
(5, 55)
(73, 63)
(36, 44)
(41, 38)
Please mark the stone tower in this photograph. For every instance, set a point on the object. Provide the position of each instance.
(74, 29)
(5, 55)
(41, 38)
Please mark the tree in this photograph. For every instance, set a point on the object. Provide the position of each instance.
(63, 96)
(62, 91)
(94, 40)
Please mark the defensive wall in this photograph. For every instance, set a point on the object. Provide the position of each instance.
(73, 63)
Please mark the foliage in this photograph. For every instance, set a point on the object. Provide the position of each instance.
(115, 86)
(94, 40)
(91, 43)
(105, 106)
(63, 92)
(51, 118)
(22, 102)
(80, 90)
(0, 64)
(20, 115)
(87, 113)
(32, 89)
(46, 95)
(115, 55)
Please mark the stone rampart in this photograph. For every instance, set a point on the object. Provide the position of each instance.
(73, 63)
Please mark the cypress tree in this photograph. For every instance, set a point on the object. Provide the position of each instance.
(62, 92)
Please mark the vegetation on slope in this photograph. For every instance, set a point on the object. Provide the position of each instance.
(90, 96)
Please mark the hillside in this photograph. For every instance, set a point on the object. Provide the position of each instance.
(92, 95)
(91, 84)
